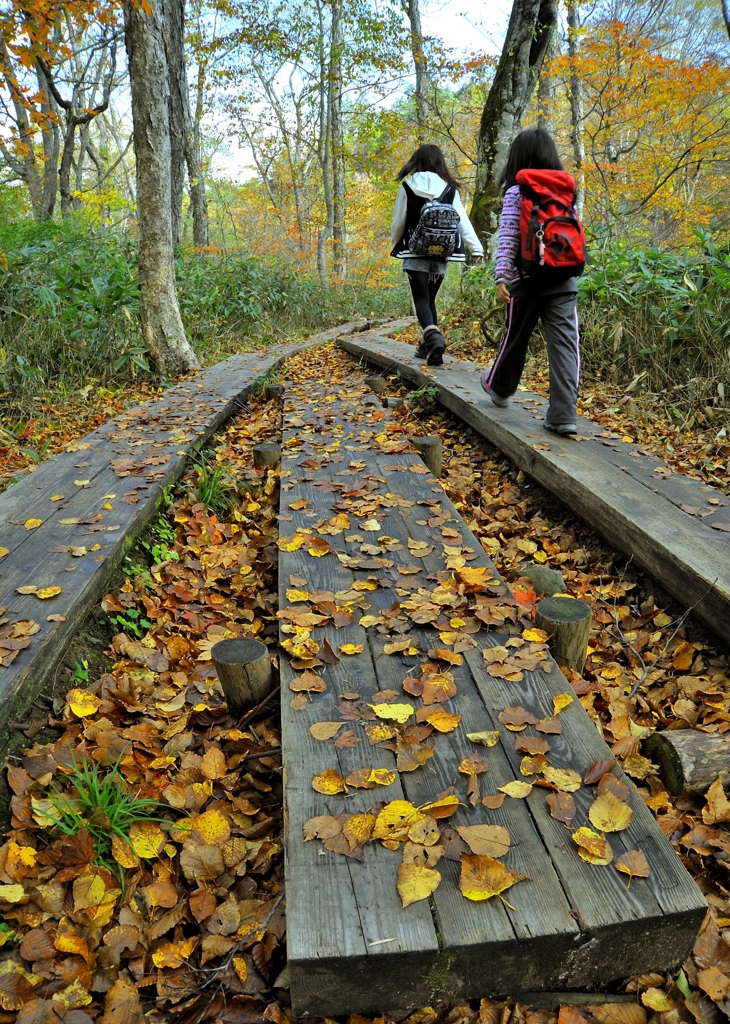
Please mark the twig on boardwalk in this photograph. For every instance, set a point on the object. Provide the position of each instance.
(259, 707)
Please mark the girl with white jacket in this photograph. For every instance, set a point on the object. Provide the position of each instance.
(424, 177)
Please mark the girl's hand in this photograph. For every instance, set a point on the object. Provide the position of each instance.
(503, 292)
(477, 260)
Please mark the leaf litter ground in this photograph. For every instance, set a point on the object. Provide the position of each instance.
(183, 919)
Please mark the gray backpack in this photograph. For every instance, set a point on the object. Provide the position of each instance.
(436, 235)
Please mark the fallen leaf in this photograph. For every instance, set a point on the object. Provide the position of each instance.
(325, 730)
(562, 807)
(592, 848)
(561, 701)
(32, 524)
(517, 790)
(634, 863)
(483, 877)
(487, 738)
(608, 813)
(486, 840)
(329, 782)
(416, 882)
(657, 1000)
(396, 712)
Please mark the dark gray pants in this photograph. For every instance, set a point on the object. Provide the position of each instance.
(558, 312)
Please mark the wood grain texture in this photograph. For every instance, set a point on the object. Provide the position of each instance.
(630, 505)
(569, 924)
(154, 441)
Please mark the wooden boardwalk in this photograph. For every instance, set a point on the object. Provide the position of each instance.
(70, 523)
(675, 528)
(352, 947)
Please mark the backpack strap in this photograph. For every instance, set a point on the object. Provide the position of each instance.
(442, 198)
(408, 190)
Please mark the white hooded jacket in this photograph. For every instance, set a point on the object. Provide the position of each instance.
(430, 185)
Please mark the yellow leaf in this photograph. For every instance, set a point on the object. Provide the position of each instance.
(657, 1000)
(32, 524)
(11, 893)
(123, 853)
(382, 776)
(371, 526)
(297, 595)
(609, 813)
(45, 592)
(533, 764)
(395, 712)
(482, 877)
(442, 808)
(211, 828)
(67, 942)
(395, 819)
(318, 546)
(352, 648)
(4, 552)
(239, 966)
(566, 779)
(329, 782)
(325, 730)
(442, 721)
(57, 497)
(88, 890)
(416, 882)
(486, 840)
(561, 701)
(517, 790)
(633, 863)
(146, 838)
(538, 635)
(83, 703)
(638, 766)
(291, 543)
(487, 738)
(72, 997)
(592, 848)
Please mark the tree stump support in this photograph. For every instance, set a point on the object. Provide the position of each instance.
(273, 390)
(567, 621)
(392, 402)
(266, 454)
(244, 670)
(376, 384)
(431, 451)
(689, 759)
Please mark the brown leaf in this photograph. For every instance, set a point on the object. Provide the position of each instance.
(562, 807)
(516, 718)
(38, 1011)
(597, 770)
(122, 1005)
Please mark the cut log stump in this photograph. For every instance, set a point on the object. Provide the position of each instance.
(266, 454)
(244, 669)
(689, 759)
(376, 384)
(273, 390)
(431, 451)
(567, 621)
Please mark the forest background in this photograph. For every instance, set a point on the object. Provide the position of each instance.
(295, 120)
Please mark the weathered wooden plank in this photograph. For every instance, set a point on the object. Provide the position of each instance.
(569, 924)
(163, 433)
(688, 558)
(350, 943)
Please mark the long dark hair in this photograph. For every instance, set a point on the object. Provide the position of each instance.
(428, 158)
(533, 148)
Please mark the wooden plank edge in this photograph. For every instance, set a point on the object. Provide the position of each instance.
(28, 683)
(664, 563)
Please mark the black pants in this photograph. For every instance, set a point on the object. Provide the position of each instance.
(424, 292)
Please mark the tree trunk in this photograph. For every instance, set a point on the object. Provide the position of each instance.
(546, 90)
(64, 173)
(531, 25)
(162, 326)
(198, 198)
(337, 44)
(726, 16)
(324, 154)
(173, 21)
(689, 759)
(576, 106)
(421, 68)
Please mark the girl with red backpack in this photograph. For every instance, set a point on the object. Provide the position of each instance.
(430, 229)
(540, 254)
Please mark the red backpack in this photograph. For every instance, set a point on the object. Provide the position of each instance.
(552, 239)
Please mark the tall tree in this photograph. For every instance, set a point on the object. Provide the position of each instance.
(148, 75)
(531, 25)
(337, 139)
(173, 24)
(413, 11)
(575, 86)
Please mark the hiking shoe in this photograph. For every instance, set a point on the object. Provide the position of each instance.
(421, 350)
(562, 428)
(501, 403)
(435, 345)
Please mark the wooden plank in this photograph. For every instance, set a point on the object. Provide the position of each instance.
(350, 943)
(569, 924)
(161, 433)
(688, 558)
